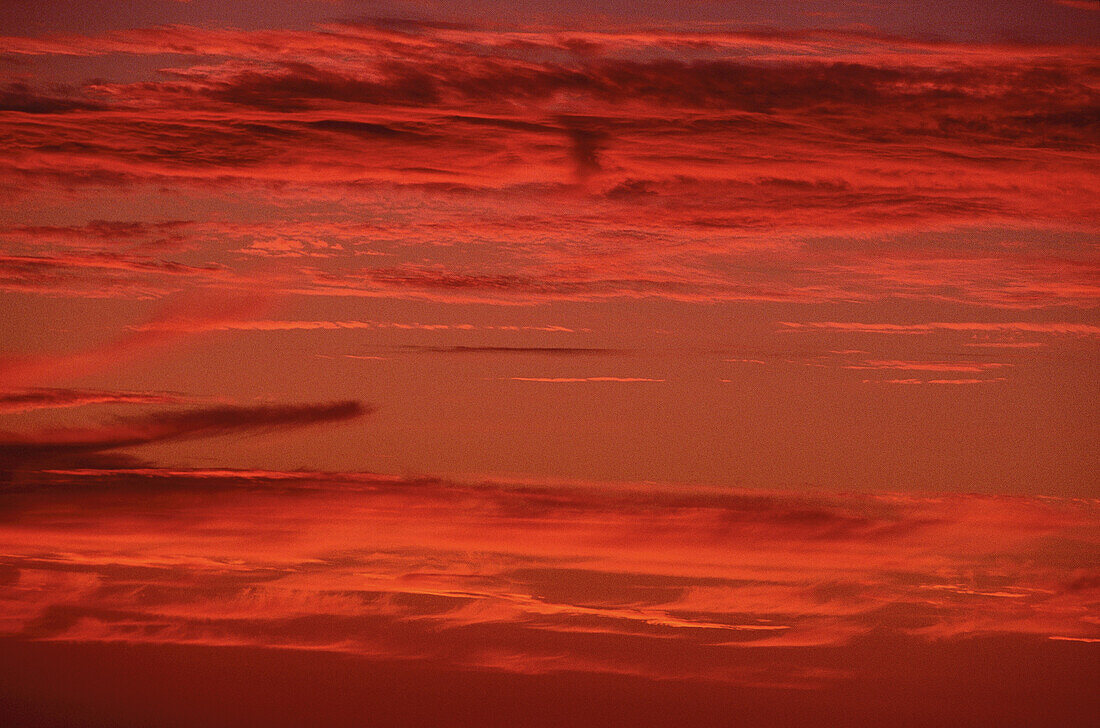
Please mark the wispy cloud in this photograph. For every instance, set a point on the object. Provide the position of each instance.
(520, 350)
(180, 316)
(990, 380)
(574, 380)
(181, 324)
(48, 398)
(1052, 327)
(1079, 4)
(928, 366)
(594, 577)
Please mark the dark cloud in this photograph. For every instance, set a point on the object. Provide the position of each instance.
(298, 85)
(22, 98)
(44, 447)
(586, 143)
(98, 230)
(883, 102)
(363, 129)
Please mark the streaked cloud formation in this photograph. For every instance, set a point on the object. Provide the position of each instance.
(46, 398)
(660, 581)
(565, 165)
(1011, 327)
(572, 380)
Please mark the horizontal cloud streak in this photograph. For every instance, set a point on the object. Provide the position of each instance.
(573, 380)
(929, 366)
(1053, 327)
(44, 446)
(195, 326)
(49, 398)
(197, 308)
(934, 381)
(520, 350)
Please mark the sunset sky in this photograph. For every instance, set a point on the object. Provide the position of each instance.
(579, 363)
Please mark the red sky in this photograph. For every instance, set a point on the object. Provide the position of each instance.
(616, 363)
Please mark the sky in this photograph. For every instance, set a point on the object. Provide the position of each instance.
(497, 363)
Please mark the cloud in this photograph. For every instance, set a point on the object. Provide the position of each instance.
(928, 366)
(1006, 344)
(102, 274)
(574, 380)
(166, 327)
(1079, 4)
(509, 350)
(934, 381)
(1011, 327)
(186, 325)
(92, 236)
(533, 166)
(586, 144)
(600, 578)
(22, 98)
(48, 398)
(52, 445)
(594, 165)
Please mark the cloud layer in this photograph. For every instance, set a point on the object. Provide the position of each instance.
(566, 165)
(616, 257)
(644, 580)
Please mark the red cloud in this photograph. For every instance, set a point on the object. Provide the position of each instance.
(602, 578)
(622, 167)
